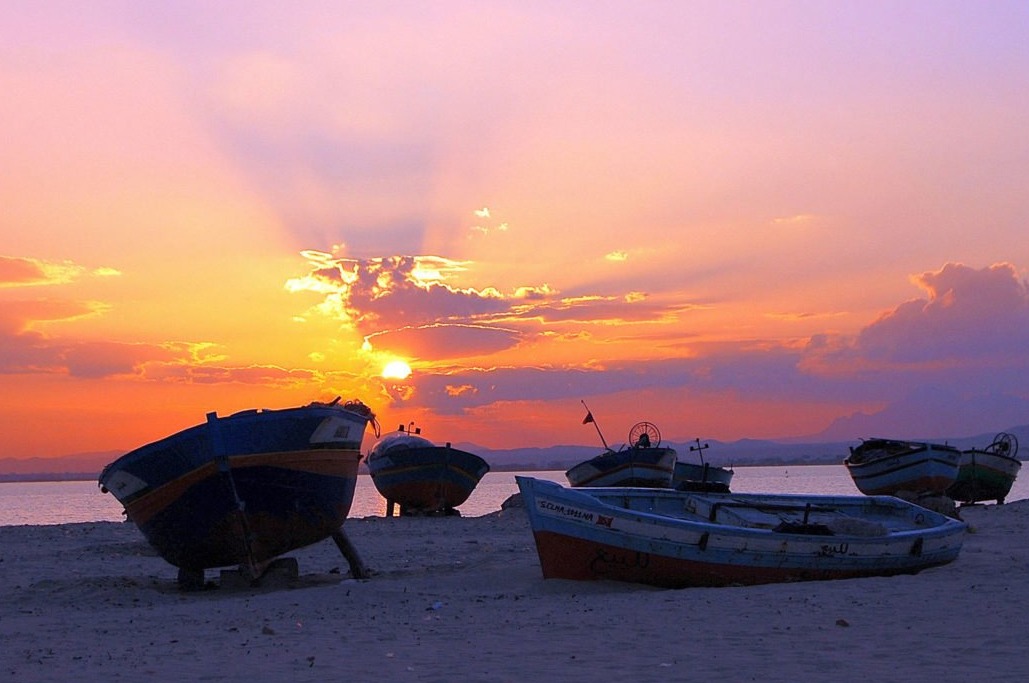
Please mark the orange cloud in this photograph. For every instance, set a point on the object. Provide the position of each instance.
(23, 272)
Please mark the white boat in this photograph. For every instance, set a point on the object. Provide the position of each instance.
(892, 466)
(643, 463)
(675, 539)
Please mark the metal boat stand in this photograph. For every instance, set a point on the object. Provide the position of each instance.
(281, 569)
(357, 568)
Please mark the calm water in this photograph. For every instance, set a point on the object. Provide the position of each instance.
(81, 501)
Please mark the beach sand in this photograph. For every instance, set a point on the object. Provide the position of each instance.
(463, 599)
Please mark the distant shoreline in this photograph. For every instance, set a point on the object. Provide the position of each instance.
(47, 477)
(43, 477)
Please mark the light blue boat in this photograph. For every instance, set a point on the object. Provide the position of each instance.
(675, 539)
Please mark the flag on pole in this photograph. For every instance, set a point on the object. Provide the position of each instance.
(589, 418)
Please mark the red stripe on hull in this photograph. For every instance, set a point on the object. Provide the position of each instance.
(565, 557)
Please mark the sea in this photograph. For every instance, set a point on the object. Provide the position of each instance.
(64, 502)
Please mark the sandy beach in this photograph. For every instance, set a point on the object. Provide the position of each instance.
(462, 599)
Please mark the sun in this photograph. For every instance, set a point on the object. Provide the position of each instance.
(396, 369)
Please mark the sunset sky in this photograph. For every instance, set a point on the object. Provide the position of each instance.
(764, 219)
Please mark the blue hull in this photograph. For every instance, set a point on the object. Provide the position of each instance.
(246, 488)
(427, 479)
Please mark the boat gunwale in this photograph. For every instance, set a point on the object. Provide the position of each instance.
(945, 525)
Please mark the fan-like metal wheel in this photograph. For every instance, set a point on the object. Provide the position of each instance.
(1005, 444)
(645, 435)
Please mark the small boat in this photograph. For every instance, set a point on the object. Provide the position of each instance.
(243, 489)
(890, 467)
(987, 473)
(676, 539)
(690, 476)
(421, 477)
(644, 463)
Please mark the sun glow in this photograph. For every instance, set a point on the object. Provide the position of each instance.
(396, 369)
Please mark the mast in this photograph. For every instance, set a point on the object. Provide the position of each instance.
(589, 418)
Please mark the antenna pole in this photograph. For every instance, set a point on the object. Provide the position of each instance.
(700, 450)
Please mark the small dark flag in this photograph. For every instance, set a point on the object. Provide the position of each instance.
(589, 418)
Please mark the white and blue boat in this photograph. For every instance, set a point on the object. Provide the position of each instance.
(644, 462)
(420, 477)
(676, 539)
(897, 467)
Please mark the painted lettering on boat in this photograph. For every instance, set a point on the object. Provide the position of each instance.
(607, 562)
(831, 550)
(564, 511)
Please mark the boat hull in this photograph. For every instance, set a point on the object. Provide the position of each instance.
(678, 539)
(691, 477)
(646, 467)
(917, 468)
(984, 476)
(428, 479)
(242, 489)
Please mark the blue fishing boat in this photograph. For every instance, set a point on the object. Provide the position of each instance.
(243, 489)
(675, 539)
(422, 478)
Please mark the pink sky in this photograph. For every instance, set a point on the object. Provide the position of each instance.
(733, 219)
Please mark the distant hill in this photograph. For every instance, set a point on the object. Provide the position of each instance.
(743, 452)
(69, 467)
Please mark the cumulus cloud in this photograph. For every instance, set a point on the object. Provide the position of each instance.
(965, 340)
(967, 315)
(409, 305)
(968, 333)
(379, 293)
